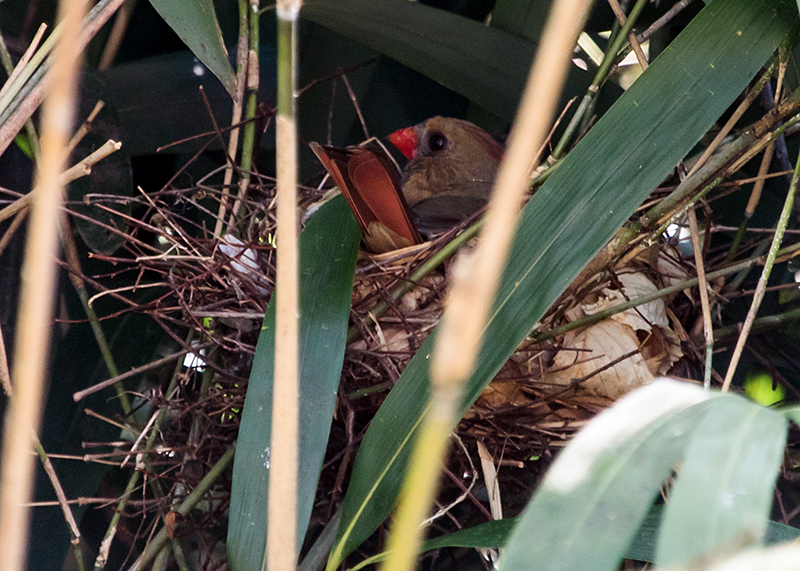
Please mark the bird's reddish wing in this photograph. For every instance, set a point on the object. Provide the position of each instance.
(379, 191)
(372, 193)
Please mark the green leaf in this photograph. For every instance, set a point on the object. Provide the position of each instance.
(328, 248)
(495, 534)
(487, 65)
(596, 493)
(721, 501)
(23, 141)
(491, 534)
(196, 24)
(643, 546)
(605, 178)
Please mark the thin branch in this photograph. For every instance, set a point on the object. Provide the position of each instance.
(762, 281)
(708, 327)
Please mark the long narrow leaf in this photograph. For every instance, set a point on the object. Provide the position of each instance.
(522, 18)
(484, 64)
(643, 546)
(495, 534)
(600, 184)
(722, 499)
(196, 24)
(328, 249)
(599, 489)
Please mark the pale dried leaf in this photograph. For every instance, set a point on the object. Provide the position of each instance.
(390, 339)
(595, 347)
(490, 478)
(422, 294)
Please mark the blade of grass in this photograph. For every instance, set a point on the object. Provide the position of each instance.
(328, 248)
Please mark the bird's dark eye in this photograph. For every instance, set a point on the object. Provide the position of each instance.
(437, 142)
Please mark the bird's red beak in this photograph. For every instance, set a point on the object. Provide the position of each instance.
(406, 141)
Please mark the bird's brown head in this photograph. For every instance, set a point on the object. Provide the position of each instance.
(451, 169)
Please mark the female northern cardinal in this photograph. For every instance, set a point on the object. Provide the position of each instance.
(451, 168)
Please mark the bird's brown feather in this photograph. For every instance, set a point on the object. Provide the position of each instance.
(371, 187)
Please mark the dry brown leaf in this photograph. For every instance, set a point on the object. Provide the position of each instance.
(422, 294)
(390, 339)
(597, 346)
(661, 350)
(500, 394)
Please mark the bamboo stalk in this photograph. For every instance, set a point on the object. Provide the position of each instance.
(36, 304)
(282, 508)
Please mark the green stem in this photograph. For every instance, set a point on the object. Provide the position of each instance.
(134, 479)
(251, 106)
(186, 506)
(766, 322)
(761, 287)
(600, 76)
(73, 261)
(686, 284)
(112, 527)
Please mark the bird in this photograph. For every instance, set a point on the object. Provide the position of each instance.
(449, 175)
